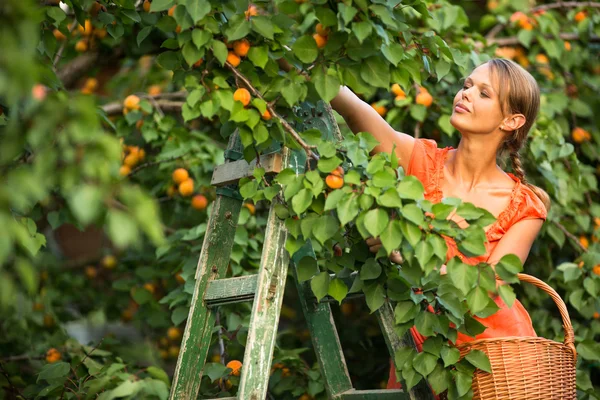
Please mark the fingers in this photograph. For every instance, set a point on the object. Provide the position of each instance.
(374, 249)
(396, 257)
(373, 241)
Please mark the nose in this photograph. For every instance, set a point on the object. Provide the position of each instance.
(465, 93)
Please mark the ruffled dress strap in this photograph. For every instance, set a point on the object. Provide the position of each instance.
(524, 204)
(426, 164)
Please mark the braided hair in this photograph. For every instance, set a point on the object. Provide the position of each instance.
(519, 94)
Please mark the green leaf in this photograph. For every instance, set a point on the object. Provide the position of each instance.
(413, 214)
(589, 350)
(263, 26)
(394, 52)
(333, 199)
(439, 379)
(450, 355)
(191, 54)
(462, 275)
(424, 322)
(411, 188)
(200, 37)
(305, 48)
(86, 203)
(220, 51)
(327, 84)
(320, 285)
(376, 221)
(375, 296)
(307, 268)
(406, 311)
(424, 363)
(197, 9)
(180, 314)
(169, 60)
(472, 245)
(326, 228)
(463, 383)
(375, 71)
(122, 228)
(259, 55)
(161, 5)
(477, 299)
(423, 252)
(143, 34)
(479, 360)
(55, 370)
(370, 270)
(347, 209)
(338, 289)
(391, 237)
(507, 294)
(215, 370)
(301, 201)
(347, 12)
(237, 28)
(385, 178)
(411, 232)
(390, 198)
(362, 30)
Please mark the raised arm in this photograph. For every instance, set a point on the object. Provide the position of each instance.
(361, 117)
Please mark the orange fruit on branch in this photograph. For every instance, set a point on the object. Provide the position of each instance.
(199, 202)
(580, 135)
(186, 188)
(242, 95)
(180, 175)
(53, 355)
(233, 59)
(580, 16)
(397, 90)
(266, 115)
(251, 11)
(81, 46)
(174, 333)
(236, 366)
(321, 30)
(147, 5)
(321, 40)
(424, 97)
(132, 102)
(241, 47)
(334, 181)
(171, 11)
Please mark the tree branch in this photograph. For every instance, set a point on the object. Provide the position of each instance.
(570, 235)
(508, 41)
(151, 163)
(307, 148)
(161, 100)
(166, 105)
(62, 47)
(561, 4)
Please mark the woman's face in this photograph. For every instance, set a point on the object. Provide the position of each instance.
(476, 107)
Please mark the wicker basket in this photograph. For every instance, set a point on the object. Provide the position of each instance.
(526, 368)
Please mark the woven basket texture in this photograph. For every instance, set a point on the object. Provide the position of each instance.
(527, 368)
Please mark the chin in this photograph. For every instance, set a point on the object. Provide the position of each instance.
(456, 122)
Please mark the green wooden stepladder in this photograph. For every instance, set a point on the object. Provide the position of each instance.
(265, 289)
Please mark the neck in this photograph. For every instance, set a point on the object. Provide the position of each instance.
(474, 161)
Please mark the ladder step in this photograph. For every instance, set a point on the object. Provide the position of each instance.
(232, 172)
(242, 288)
(231, 290)
(385, 394)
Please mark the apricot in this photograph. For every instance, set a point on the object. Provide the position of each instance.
(186, 188)
(180, 175)
(233, 59)
(242, 95)
(321, 40)
(334, 181)
(199, 202)
(241, 47)
(236, 366)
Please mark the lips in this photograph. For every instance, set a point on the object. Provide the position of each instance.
(462, 107)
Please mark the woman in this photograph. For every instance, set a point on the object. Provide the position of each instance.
(493, 113)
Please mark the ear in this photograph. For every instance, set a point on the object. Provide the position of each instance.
(513, 122)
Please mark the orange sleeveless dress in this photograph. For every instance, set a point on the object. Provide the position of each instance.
(427, 164)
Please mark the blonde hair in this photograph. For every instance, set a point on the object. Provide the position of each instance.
(519, 93)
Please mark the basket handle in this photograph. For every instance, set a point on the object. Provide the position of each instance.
(569, 335)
